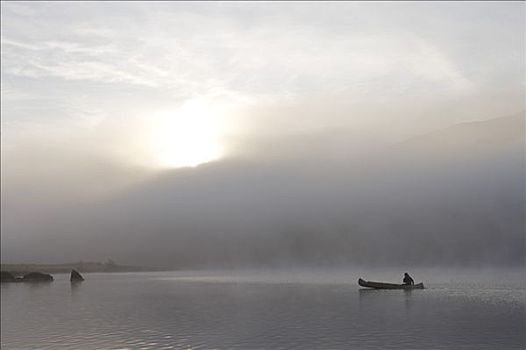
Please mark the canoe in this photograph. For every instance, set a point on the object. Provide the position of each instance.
(381, 285)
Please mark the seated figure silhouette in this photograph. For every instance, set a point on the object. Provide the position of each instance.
(408, 280)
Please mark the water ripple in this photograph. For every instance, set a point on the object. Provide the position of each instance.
(134, 311)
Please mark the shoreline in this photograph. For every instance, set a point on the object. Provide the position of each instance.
(84, 267)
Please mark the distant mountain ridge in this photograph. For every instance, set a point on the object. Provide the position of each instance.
(502, 131)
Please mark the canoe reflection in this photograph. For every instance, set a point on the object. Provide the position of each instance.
(379, 298)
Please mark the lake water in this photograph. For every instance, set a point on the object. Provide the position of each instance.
(300, 309)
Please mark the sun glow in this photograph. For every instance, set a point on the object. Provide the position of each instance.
(187, 136)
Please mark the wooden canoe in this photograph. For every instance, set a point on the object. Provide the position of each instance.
(381, 285)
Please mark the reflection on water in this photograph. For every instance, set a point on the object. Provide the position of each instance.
(259, 310)
(375, 296)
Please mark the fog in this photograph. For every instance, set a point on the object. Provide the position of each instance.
(455, 196)
(342, 134)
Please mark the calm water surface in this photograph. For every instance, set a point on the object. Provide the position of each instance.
(266, 310)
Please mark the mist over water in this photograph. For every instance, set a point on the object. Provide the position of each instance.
(268, 309)
(451, 197)
(257, 158)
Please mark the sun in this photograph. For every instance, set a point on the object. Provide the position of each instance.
(187, 136)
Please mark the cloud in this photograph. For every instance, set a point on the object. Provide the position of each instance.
(180, 54)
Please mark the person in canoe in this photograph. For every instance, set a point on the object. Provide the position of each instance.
(408, 280)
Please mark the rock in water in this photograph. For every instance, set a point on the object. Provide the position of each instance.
(6, 276)
(37, 277)
(75, 276)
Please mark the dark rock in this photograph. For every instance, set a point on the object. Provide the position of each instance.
(6, 276)
(37, 277)
(75, 276)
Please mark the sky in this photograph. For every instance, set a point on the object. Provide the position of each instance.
(101, 100)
